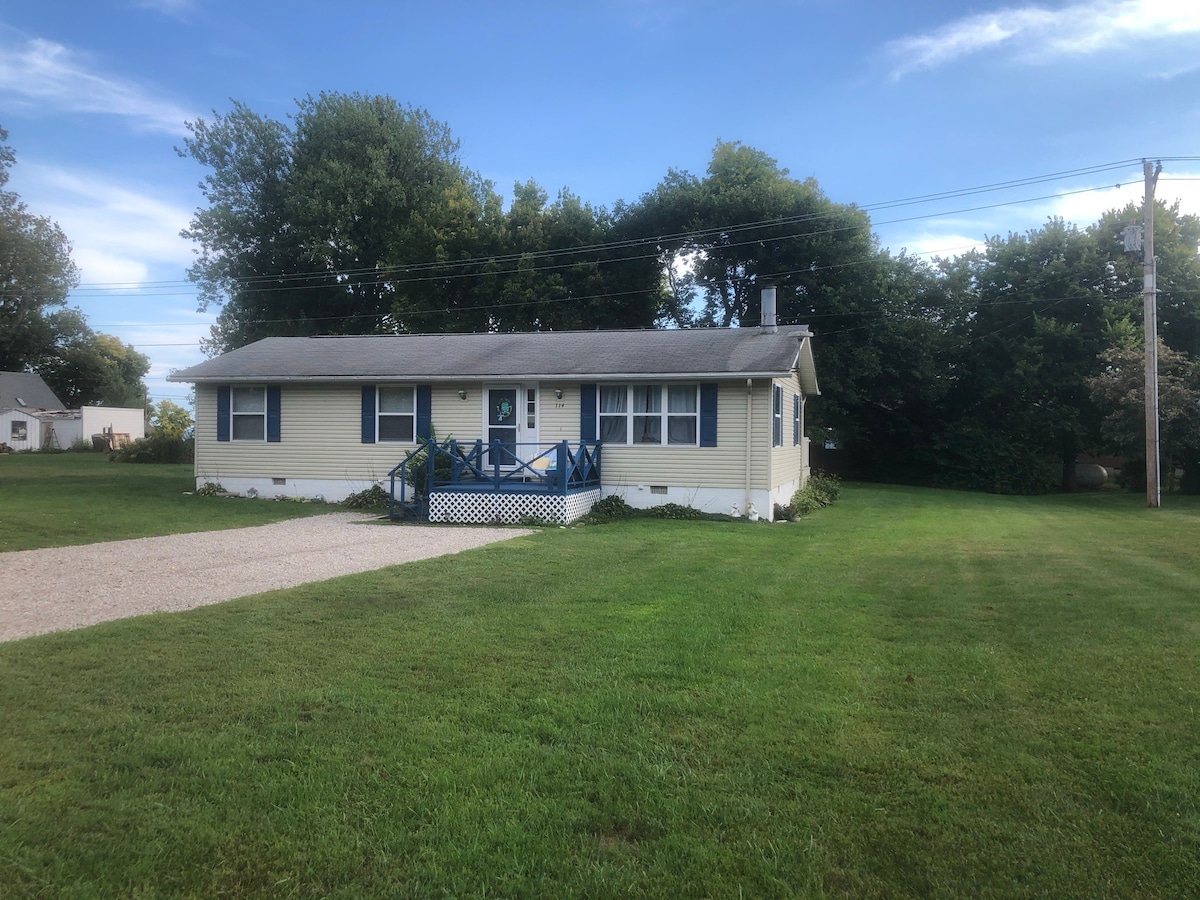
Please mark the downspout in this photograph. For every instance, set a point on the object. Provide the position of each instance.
(749, 439)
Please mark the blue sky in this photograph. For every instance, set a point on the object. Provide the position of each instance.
(877, 100)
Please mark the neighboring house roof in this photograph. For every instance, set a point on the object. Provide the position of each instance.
(603, 355)
(26, 390)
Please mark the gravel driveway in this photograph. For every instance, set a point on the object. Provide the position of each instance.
(71, 587)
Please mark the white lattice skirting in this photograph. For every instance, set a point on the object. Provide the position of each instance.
(468, 508)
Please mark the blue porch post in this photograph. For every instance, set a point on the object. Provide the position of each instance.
(562, 467)
(430, 463)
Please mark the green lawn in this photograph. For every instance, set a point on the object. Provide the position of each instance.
(60, 499)
(913, 693)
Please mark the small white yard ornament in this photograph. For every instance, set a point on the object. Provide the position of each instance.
(736, 512)
(752, 513)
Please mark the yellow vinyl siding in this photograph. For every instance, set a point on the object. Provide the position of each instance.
(453, 417)
(787, 462)
(320, 437)
(761, 426)
(721, 466)
(558, 419)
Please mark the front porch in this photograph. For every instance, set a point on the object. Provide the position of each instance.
(496, 483)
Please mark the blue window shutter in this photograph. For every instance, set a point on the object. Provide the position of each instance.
(587, 412)
(708, 415)
(795, 420)
(223, 412)
(368, 413)
(273, 417)
(424, 411)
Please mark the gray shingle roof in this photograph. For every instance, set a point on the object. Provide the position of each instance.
(712, 352)
(26, 390)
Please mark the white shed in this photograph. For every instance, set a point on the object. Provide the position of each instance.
(58, 429)
(18, 428)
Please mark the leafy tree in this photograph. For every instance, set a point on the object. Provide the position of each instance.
(86, 368)
(1176, 238)
(746, 224)
(165, 442)
(1031, 313)
(170, 420)
(356, 218)
(879, 321)
(359, 217)
(561, 275)
(883, 366)
(245, 244)
(36, 274)
(1120, 391)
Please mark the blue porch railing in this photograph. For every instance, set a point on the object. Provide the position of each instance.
(550, 469)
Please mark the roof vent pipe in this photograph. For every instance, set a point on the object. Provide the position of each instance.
(769, 325)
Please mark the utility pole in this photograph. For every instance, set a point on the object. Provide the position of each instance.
(1150, 318)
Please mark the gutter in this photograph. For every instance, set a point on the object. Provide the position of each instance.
(364, 378)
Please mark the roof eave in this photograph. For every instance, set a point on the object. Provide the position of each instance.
(364, 378)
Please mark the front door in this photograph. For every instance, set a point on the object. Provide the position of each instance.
(510, 417)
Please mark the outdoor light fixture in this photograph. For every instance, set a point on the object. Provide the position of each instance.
(462, 395)
(558, 393)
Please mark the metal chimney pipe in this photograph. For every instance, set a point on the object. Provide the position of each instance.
(769, 324)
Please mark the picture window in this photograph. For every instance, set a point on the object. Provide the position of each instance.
(650, 414)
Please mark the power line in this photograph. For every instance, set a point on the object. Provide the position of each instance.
(697, 235)
(381, 282)
(491, 307)
(694, 236)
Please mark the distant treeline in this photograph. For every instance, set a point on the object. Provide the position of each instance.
(993, 370)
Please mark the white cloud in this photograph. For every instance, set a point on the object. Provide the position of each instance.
(1038, 34)
(939, 240)
(953, 234)
(132, 261)
(119, 233)
(100, 267)
(37, 75)
(1086, 208)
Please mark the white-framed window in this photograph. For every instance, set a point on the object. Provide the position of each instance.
(797, 420)
(650, 414)
(776, 415)
(396, 414)
(248, 413)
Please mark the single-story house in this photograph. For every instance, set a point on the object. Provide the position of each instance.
(33, 418)
(711, 418)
